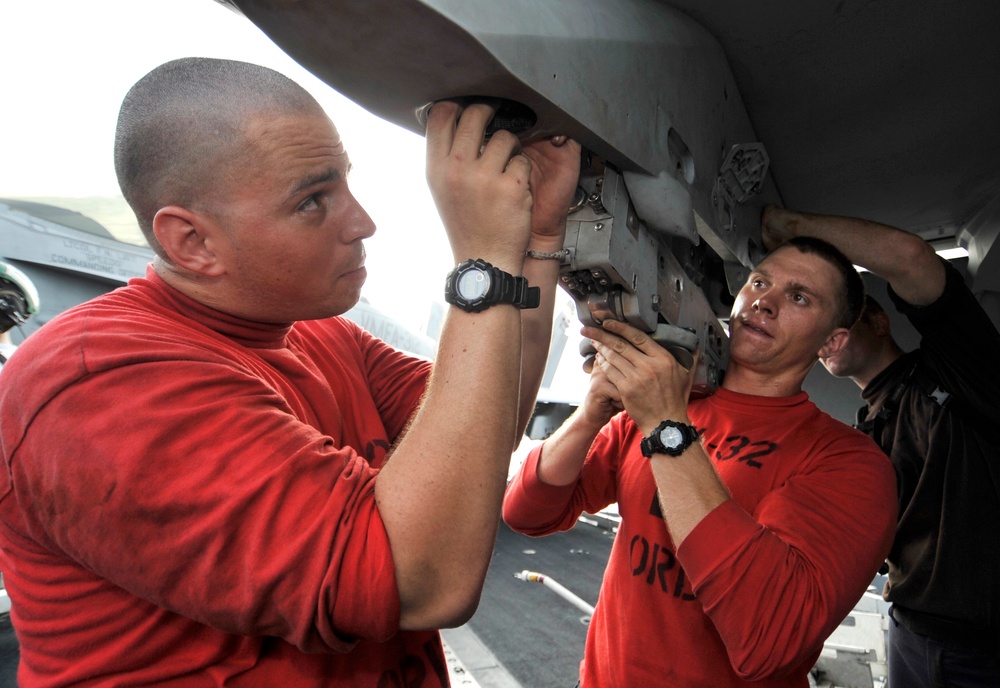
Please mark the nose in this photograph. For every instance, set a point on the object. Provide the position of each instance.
(764, 304)
(359, 225)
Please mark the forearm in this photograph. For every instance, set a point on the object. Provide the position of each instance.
(554, 176)
(903, 259)
(565, 451)
(549, 492)
(688, 489)
(536, 334)
(771, 608)
(440, 492)
(811, 584)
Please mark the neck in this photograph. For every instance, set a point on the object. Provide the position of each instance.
(886, 357)
(194, 286)
(863, 378)
(764, 384)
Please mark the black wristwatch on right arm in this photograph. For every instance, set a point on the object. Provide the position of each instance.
(475, 285)
(670, 438)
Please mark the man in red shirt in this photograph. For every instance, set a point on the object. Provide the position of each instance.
(934, 411)
(210, 478)
(751, 522)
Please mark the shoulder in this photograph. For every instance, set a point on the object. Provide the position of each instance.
(341, 341)
(840, 448)
(61, 341)
(116, 330)
(339, 336)
(793, 426)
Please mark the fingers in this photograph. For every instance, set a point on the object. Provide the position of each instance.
(773, 227)
(615, 357)
(441, 121)
(556, 153)
(502, 149)
(603, 399)
(482, 192)
(555, 174)
(454, 130)
(471, 127)
(766, 213)
(622, 338)
(648, 381)
(630, 353)
(511, 163)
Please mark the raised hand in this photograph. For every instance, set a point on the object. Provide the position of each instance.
(482, 192)
(555, 172)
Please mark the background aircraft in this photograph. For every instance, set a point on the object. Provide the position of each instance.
(70, 258)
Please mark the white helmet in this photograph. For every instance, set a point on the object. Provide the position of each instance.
(18, 297)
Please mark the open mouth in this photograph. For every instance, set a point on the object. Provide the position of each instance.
(754, 328)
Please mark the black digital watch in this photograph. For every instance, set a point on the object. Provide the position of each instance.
(670, 438)
(475, 285)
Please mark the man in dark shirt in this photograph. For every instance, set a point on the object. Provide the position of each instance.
(934, 411)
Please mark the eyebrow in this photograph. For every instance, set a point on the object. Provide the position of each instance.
(793, 286)
(796, 286)
(326, 175)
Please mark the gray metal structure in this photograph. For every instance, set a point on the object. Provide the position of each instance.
(694, 114)
(68, 256)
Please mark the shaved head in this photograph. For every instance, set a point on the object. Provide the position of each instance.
(182, 131)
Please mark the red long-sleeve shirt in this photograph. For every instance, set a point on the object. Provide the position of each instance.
(759, 584)
(188, 500)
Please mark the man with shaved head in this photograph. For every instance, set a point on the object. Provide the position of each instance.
(212, 478)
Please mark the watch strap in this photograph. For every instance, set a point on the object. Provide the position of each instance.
(516, 290)
(504, 288)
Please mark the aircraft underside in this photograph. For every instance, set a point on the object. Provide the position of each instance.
(693, 115)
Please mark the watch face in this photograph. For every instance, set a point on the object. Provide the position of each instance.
(671, 437)
(473, 284)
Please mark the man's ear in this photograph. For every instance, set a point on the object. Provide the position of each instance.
(835, 342)
(879, 323)
(189, 240)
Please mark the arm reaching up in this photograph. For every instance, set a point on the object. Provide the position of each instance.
(555, 171)
(439, 494)
(904, 260)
